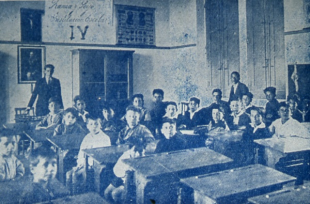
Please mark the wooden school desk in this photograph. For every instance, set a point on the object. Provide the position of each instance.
(294, 151)
(37, 136)
(87, 198)
(19, 128)
(236, 185)
(192, 139)
(161, 172)
(288, 195)
(62, 144)
(104, 158)
(12, 191)
(229, 143)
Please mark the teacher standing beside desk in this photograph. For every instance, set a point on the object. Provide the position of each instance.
(46, 88)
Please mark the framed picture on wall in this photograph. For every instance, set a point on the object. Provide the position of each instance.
(31, 62)
(135, 25)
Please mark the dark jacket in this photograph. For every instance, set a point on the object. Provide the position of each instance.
(241, 89)
(201, 117)
(173, 144)
(271, 111)
(44, 92)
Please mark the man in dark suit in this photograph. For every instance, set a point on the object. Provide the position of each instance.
(46, 88)
(238, 89)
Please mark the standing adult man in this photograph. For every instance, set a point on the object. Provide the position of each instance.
(46, 88)
(238, 89)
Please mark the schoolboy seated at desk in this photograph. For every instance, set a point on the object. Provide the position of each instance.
(69, 124)
(193, 117)
(294, 112)
(158, 110)
(108, 121)
(80, 105)
(53, 118)
(171, 140)
(43, 186)
(138, 101)
(171, 110)
(218, 102)
(217, 121)
(238, 119)
(133, 129)
(246, 102)
(272, 106)
(10, 166)
(258, 129)
(94, 139)
(286, 126)
(115, 191)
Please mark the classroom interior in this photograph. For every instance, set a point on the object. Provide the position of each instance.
(194, 48)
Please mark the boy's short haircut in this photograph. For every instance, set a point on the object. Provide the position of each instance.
(134, 109)
(53, 99)
(50, 66)
(256, 109)
(271, 90)
(137, 96)
(216, 107)
(91, 117)
(249, 94)
(73, 111)
(282, 104)
(78, 98)
(171, 103)
(217, 91)
(196, 100)
(44, 152)
(236, 73)
(158, 91)
(236, 100)
(168, 120)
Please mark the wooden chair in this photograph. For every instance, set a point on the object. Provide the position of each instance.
(22, 114)
(184, 107)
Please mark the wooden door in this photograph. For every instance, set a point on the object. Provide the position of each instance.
(265, 45)
(222, 41)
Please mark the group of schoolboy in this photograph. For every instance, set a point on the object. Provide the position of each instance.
(140, 127)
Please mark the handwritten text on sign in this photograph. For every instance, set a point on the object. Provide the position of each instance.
(76, 12)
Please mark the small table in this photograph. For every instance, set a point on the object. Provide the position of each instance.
(164, 170)
(236, 185)
(285, 196)
(103, 157)
(82, 198)
(64, 143)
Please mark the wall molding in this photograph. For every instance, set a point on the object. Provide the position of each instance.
(93, 45)
(305, 30)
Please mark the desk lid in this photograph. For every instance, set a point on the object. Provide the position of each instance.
(240, 180)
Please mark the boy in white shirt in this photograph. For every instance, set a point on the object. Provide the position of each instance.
(10, 167)
(94, 139)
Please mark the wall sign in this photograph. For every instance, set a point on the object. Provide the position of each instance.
(135, 25)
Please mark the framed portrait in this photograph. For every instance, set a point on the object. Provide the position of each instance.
(31, 62)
